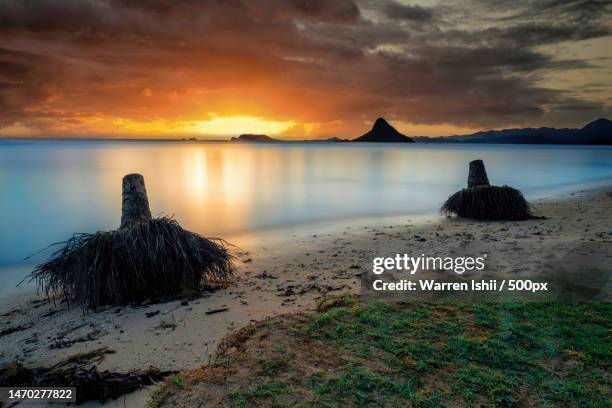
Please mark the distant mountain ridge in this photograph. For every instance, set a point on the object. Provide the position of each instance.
(383, 132)
(597, 132)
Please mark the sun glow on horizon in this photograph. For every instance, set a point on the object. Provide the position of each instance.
(215, 126)
(218, 126)
(234, 125)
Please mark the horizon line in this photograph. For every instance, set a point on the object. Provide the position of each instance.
(274, 137)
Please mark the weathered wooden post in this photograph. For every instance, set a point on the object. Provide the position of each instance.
(478, 174)
(135, 205)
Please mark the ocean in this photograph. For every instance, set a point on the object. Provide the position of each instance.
(50, 189)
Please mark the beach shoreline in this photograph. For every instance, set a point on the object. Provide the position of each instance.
(291, 275)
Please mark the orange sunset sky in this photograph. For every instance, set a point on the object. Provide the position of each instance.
(299, 68)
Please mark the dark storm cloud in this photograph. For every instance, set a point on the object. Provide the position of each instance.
(151, 18)
(583, 11)
(541, 22)
(23, 82)
(525, 34)
(475, 63)
(408, 12)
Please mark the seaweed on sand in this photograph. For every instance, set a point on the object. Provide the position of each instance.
(81, 371)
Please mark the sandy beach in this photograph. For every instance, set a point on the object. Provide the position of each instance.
(278, 276)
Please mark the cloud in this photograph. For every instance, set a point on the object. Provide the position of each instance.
(85, 67)
(399, 11)
(575, 11)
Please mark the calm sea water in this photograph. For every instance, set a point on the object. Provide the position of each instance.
(50, 189)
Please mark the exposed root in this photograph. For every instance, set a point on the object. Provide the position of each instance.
(151, 260)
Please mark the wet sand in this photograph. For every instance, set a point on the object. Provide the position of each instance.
(289, 274)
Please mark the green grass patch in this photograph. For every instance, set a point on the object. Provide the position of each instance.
(543, 354)
(268, 391)
(381, 354)
(177, 381)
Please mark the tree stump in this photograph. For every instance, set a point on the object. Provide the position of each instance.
(135, 205)
(478, 174)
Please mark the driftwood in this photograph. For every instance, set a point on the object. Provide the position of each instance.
(217, 310)
(81, 372)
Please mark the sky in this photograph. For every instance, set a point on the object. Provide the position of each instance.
(301, 69)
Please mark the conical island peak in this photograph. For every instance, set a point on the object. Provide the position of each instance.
(383, 132)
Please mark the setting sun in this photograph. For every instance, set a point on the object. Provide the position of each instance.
(216, 126)
(233, 125)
